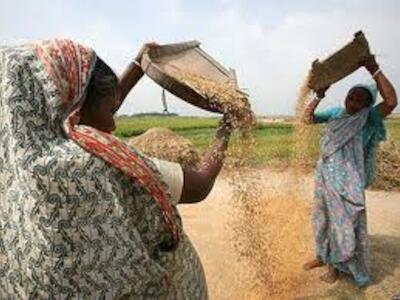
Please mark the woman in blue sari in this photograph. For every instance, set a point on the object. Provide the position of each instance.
(345, 169)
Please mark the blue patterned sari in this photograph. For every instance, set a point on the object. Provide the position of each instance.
(345, 168)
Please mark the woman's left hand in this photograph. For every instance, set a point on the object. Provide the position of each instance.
(370, 64)
(198, 182)
(225, 127)
(143, 49)
(321, 92)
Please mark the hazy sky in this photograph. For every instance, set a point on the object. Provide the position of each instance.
(271, 44)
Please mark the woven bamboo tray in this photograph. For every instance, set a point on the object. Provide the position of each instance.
(340, 64)
(159, 62)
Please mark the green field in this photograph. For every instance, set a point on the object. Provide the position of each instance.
(274, 141)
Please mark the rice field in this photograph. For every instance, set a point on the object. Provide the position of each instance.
(274, 141)
(132, 126)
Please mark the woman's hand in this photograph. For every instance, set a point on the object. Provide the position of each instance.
(225, 127)
(370, 64)
(199, 182)
(308, 116)
(385, 87)
(143, 49)
(321, 92)
(133, 72)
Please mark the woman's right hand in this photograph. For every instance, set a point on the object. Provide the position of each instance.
(143, 49)
(321, 92)
(225, 127)
(308, 116)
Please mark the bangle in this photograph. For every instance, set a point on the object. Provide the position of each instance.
(376, 73)
(137, 63)
(317, 98)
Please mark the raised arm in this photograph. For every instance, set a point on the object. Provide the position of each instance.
(312, 106)
(385, 87)
(133, 73)
(198, 183)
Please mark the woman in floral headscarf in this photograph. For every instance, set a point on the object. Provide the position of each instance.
(345, 169)
(82, 215)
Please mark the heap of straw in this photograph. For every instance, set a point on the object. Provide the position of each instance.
(164, 144)
(221, 95)
(388, 167)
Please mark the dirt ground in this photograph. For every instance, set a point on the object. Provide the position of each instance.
(210, 225)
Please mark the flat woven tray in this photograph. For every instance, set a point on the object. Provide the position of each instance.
(159, 62)
(340, 64)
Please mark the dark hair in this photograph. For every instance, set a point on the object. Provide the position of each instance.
(103, 83)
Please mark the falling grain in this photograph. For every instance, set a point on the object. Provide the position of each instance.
(272, 236)
(221, 95)
(304, 134)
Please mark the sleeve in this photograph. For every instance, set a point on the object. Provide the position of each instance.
(375, 116)
(326, 115)
(172, 174)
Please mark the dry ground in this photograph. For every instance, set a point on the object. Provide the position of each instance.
(211, 224)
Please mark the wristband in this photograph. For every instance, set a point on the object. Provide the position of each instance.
(137, 63)
(317, 98)
(376, 73)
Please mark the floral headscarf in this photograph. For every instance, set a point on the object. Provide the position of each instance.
(69, 65)
(81, 214)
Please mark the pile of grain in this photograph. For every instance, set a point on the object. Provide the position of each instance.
(388, 167)
(273, 237)
(221, 95)
(164, 144)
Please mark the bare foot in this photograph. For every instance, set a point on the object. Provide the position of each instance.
(312, 264)
(331, 276)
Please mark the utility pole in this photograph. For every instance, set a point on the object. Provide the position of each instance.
(164, 102)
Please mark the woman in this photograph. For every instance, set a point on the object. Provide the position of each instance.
(345, 169)
(82, 215)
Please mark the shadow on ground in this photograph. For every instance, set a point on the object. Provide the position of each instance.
(385, 271)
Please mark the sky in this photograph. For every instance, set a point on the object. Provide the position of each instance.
(271, 44)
